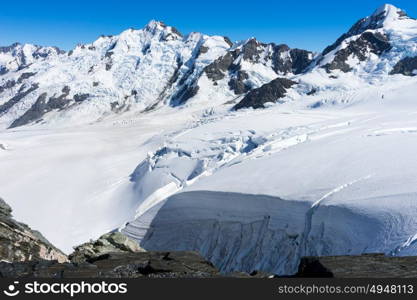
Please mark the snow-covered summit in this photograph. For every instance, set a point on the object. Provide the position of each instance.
(157, 26)
(388, 13)
(181, 159)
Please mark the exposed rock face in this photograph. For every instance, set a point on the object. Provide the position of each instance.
(33, 113)
(360, 48)
(237, 83)
(186, 92)
(216, 70)
(363, 266)
(301, 59)
(81, 97)
(269, 92)
(20, 243)
(118, 265)
(109, 243)
(407, 66)
(25, 76)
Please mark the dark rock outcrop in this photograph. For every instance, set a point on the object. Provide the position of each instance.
(228, 41)
(362, 266)
(25, 76)
(374, 21)
(81, 97)
(217, 69)
(19, 96)
(186, 92)
(237, 83)
(252, 50)
(3, 70)
(286, 60)
(20, 243)
(269, 92)
(407, 66)
(301, 59)
(117, 265)
(34, 113)
(7, 85)
(114, 242)
(202, 50)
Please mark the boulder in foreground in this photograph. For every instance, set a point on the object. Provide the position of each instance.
(18, 242)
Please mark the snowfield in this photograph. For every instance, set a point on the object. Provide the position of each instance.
(329, 169)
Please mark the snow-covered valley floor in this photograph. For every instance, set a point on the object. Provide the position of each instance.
(250, 189)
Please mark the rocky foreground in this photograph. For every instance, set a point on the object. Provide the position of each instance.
(20, 243)
(25, 253)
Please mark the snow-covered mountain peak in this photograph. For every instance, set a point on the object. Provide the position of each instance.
(143, 70)
(388, 12)
(131, 40)
(17, 56)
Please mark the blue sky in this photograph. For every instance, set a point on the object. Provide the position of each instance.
(303, 24)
